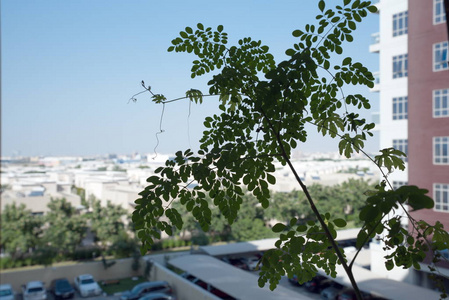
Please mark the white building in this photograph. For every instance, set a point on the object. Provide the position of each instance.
(391, 44)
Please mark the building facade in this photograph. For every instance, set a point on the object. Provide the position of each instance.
(428, 127)
(391, 44)
(414, 105)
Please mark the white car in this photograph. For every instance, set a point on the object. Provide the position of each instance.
(87, 286)
(34, 290)
(6, 292)
(253, 262)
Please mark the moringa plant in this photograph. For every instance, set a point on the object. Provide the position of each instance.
(264, 107)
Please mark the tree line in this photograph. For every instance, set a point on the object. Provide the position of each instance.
(56, 236)
(343, 201)
(29, 239)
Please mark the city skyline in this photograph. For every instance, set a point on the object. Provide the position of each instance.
(69, 70)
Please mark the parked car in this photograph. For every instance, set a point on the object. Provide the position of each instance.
(34, 290)
(349, 294)
(6, 292)
(62, 289)
(145, 288)
(157, 296)
(236, 262)
(253, 262)
(87, 286)
(331, 292)
(207, 287)
(317, 284)
(294, 280)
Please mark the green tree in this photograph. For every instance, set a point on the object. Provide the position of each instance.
(264, 109)
(20, 230)
(107, 222)
(251, 222)
(65, 228)
(82, 193)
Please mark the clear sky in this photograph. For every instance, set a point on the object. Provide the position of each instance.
(70, 67)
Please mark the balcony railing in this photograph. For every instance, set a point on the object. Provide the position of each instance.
(375, 118)
(376, 77)
(375, 38)
(376, 87)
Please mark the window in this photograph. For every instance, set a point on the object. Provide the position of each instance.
(398, 184)
(400, 23)
(400, 65)
(438, 12)
(400, 108)
(401, 145)
(441, 196)
(441, 103)
(440, 150)
(440, 59)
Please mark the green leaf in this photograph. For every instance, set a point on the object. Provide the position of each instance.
(347, 61)
(352, 25)
(369, 213)
(220, 28)
(389, 264)
(271, 179)
(297, 33)
(340, 223)
(183, 34)
(361, 239)
(278, 227)
(372, 8)
(321, 5)
(335, 19)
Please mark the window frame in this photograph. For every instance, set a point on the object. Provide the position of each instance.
(441, 18)
(401, 145)
(400, 102)
(398, 183)
(400, 18)
(440, 159)
(403, 59)
(445, 46)
(444, 189)
(443, 112)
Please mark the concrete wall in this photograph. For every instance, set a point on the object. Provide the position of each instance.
(182, 288)
(121, 269)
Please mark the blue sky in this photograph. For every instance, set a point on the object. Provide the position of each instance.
(69, 68)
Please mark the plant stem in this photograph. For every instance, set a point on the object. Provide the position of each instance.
(331, 239)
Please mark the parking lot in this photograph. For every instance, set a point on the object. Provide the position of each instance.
(77, 297)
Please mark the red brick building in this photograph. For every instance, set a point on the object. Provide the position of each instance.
(428, 107)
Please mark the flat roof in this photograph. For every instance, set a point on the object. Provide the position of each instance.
(231, 280)
(263, 245)
(237, 248)
(391, 289)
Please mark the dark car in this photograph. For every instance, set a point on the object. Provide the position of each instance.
(294, 280)
(317, 284)
(62, 289)
(237, 262)
(331, 292)
(158, 296)
(349, 294)
(146, 288)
